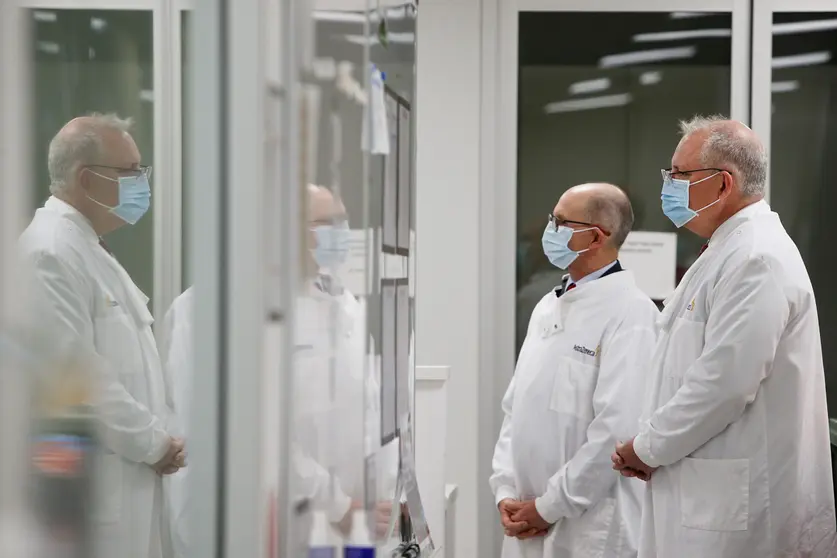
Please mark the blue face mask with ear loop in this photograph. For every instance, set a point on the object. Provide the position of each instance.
(556, 245)
(332, 248)
(134, 197)
(675, 199)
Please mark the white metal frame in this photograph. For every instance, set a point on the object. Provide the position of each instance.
(167, 133)
(499, 169)
(762, 100)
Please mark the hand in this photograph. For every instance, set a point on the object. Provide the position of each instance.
(626, 461)
(507, 507)
(528, 513)
(174, 458)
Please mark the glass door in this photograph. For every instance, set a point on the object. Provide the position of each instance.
(795, 113)
(599, 92)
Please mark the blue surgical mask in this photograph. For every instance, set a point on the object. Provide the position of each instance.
(556, 245)
(332, 245)
(134, 197)
(675, 199)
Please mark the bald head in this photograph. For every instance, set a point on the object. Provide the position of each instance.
(605, 205)
(728, 145)
(87, 140)
(323, 207)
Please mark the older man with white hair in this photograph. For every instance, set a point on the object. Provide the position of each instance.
(735, 440)
(98, 186)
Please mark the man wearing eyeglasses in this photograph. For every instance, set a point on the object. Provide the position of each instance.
(735, 440)
(98, 186)
(577, 389)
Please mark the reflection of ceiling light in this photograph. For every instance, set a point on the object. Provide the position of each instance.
(784, 86)
(795, 60)
(804, 26)
(91, 54)
(682, 35)
(49, 47)
(147, 95)
(394, 38)
(590, 103)
(44, 17)
(589, 86)
(339, 17)
(98, 24)
(689, 15)
(650, 78)
(646, 56)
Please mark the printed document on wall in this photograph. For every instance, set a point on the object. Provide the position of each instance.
(652, 257)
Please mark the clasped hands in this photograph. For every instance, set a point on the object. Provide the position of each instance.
(626, 461)
(521, 519)
(173, 460)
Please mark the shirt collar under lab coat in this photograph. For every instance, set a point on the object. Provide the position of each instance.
(590, 276)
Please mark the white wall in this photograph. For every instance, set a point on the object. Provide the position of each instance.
(447, 279)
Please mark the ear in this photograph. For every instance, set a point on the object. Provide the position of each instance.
(726, 185)
(600, 238)
(83, 178)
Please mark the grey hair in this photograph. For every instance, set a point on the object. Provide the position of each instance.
(726, 146)
(82, 145)
(612, 210)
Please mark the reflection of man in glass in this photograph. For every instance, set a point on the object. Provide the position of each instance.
(98, 186)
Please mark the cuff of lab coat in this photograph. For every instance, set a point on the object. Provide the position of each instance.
(547, 509)
(339, 507)
(504, 492)
(159, 446)
(642, 449)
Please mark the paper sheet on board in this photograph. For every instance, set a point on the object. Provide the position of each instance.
(652, 257)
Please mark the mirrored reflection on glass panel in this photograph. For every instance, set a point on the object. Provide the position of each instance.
(600, 97)
(802, 153)
(98, 61)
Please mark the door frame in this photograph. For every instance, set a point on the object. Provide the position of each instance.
(168, 161)
(762, 71)
(498, 170)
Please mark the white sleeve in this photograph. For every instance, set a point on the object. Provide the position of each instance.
(617, 403)
(502, 480)
(746, 321)
(316, 484)
(129, 428)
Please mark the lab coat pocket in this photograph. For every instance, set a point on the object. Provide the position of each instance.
(715, 494)
(107, 486)
(572, 388)
(117, 341)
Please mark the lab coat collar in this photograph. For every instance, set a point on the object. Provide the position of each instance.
(609, 283)
(726, 228)
(66, 210)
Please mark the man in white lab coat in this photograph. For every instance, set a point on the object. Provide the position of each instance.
(329, 320)
(576, 391)
(735, 438)
(98, 185)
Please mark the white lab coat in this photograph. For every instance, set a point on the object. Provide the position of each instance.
(737, 418)
(577, 390)
(318, 315)
(101, 314)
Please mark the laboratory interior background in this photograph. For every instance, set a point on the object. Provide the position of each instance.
(437, 135)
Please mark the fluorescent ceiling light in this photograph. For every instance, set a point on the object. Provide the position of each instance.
(650, 78)
(647, 56)
(796, 60)
(689, 15)
(45, 17)
(49, 47)
(686, 35)
(784, 86)
(395, 38)
(590, 103)
(98, 24)
(589, 86)
(804, 26)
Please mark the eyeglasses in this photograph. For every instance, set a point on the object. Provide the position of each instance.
(122, 171)
(555, 222)
(669, 173)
